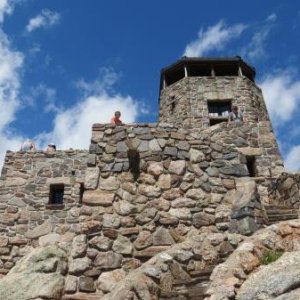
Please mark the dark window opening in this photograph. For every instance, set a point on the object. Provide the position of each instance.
(134, 163)
(198, 71)
(173, 104)
(81, 191)
(250, 160)
(248, 74)
(56, 196)
(218, 111)
(226, 70)
(174, 76)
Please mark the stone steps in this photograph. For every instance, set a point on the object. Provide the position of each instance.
(280, 213)
(191, 289)
(192, 293)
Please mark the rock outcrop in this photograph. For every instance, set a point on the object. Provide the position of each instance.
(279, 280)
(39, 275)
(243, 275)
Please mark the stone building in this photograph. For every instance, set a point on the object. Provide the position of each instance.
(142, 188)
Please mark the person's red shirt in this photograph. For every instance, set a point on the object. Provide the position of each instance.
(116, 121)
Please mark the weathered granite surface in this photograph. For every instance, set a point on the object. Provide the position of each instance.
(39, 275)
(242, 276)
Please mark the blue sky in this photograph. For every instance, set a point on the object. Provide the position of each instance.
(65, 64)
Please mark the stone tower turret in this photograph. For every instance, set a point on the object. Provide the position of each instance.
(199, 92)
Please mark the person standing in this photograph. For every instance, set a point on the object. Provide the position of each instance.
(235, 115)
(28, 146)
(116, 119)
(51, 148)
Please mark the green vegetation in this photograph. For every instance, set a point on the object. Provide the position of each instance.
(270, 256)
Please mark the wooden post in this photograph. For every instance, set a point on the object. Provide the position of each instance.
(213, 73)
(164, 82)
(185, 71)
(240, 71)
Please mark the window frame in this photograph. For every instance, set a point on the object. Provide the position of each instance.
(224, 106)
(56, 188)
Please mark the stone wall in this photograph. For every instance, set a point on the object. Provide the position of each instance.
(220, 146)
(285, 190)
(145, 188)
(25, 213)
(191, 94)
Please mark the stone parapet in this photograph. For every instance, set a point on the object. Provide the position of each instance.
(159, 142)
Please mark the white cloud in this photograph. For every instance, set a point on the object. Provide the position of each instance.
(272, 17)
(11, 62)
(42, 94)
(107, 77)
(46, 18)
(282, 95)
(72, 127)
(292, 160)
(6, 7)
(256, 48)
(214, 38)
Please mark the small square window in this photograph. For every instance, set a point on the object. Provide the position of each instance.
(218, 111)
(56, 196)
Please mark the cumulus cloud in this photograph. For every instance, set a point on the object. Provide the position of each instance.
(282, 95)
(72, 127)
(42, 93)
(292, 160)
(105, 80)
(11, 62)
(256, 47)
(6, 7)
(46, 18)
(215, 37)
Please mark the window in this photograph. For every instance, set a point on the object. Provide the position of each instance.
(250, 160)
(81, 191)
(134, 163)
(174, 75)
(223, 70)
(56, 196)
(173, 107)
(218, 111)
(199, 70)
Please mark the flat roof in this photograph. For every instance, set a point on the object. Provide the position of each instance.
(235, 61)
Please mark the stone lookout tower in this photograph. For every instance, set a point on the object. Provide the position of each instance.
(199, 92)
(175, 190)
